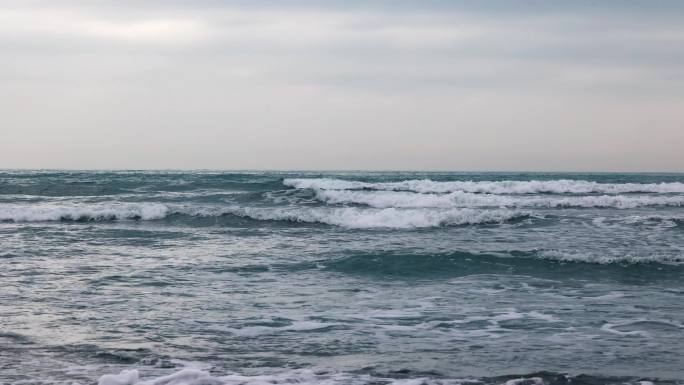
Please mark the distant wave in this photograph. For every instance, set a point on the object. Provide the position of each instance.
(560, 186)
(384, 199)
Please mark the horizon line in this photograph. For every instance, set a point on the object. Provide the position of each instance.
(236, 170)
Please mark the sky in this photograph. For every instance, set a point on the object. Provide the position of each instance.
(342, 85)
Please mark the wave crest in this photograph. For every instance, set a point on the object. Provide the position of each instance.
(349, 217)
(559, 186)
(394, 218)
(385, 199)
(95, 212)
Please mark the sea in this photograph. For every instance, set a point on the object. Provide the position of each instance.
(341, 278)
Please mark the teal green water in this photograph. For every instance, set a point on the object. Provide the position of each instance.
(341, 278)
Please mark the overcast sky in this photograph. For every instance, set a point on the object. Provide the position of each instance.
(424, 85)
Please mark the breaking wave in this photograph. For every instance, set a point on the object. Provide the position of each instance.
(560, 186)
(384, 199)
(349, 217)
(91, 212)
(394, 218)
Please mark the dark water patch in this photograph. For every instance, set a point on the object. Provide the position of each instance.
(240, 269)
(531, 263)
(261, 268)
(415, 265)
(139, 280)
(234, 220)
(108, 280)
(80, 218)
(117, 357)
(430, 377)
(11, 338)
(136, 237)
(554, 378)
(93, 183)
(58, 189)
(274, 322)
(154, 282)
(95, 354)
(284, 222)
(158, 362)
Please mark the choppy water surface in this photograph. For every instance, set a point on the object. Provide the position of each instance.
(341, 278)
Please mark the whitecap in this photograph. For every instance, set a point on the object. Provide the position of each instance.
(253, 331)
(559, 186)
(87, 212)
(403, 199)
(394, 218)
(525, 381)
(605, 258)
(610, 328)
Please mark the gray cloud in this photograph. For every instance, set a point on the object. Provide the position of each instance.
(342, 85)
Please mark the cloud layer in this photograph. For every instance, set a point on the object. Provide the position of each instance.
(372, 85)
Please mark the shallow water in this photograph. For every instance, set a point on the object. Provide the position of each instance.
(341, 278)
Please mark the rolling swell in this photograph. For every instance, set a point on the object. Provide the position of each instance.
(345, 217)
(98, 183)
(434, 266)
(559, 186)
(81, 213)
(385, 199)
(391, 218)
(531, 263)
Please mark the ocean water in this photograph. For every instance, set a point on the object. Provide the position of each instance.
(256, 278)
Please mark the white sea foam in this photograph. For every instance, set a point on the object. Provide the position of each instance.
(608, 257)
(525, 381)
(670, 220)
(352, 217)
(613, 295)
(542, 316)
(559, 186)
(52, 212)
(303, 377)
(610, 328)
(126, 377)
(253, 331)
(386, 199)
